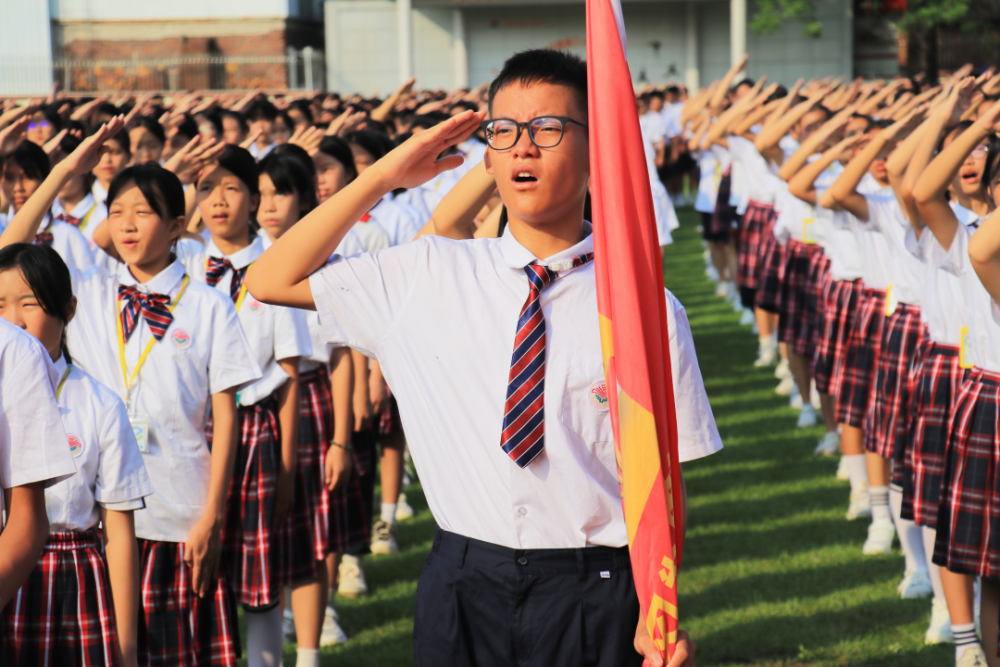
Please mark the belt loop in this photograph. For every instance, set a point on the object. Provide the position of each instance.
(465, 550)
(581, 565)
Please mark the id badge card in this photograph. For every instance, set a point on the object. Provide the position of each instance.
(891, 302)
(966, 350)
(141, 426)
(809, 231)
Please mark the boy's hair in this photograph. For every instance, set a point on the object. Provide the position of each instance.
(262, 108)
(238, 117)
(107, 108)
(47, 276)
(153, 127)
(543, 66)
(292, 174)
(32, 160)
(211, 117)
(188, 128)
(161, 188)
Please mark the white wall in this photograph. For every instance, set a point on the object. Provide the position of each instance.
(26, 48)
(789, 54)
(145, 10)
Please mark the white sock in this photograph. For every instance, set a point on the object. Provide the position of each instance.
(965, 638)
(910, 538)
(389, 513)
(880, 503)
(264, 638)
(929, 535)
(307, 657)
(857, 471)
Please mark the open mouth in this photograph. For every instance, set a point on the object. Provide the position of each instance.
(969, 176)
(524, 177)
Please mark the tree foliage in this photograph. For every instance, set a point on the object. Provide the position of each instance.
(768, 16)
(919, 16)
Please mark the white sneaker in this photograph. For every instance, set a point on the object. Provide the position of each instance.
(915, 584)
(747, 318)
(861, 503)
(352, 577)
(795, 402)
(829, 445)
(403, 509)
(785, 387)
(768, 356)
(734, 298)
(782, 371)
(880, 536)
(288, 627)
(722, 290)
(842, 473)
(384, 539)
(807, 416)
(332, 633)
(939, 631)
(974, 656)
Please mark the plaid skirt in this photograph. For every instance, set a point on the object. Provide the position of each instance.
(885, 426)
(64, 613)
(933, 400)
(861, 360)
(793, 312)
(756, 226)
(819, 277)
(969, 510)
(721, 219)
(176, 627)
(835, 322)
(350, 516)
(302, 538)
(248, 534)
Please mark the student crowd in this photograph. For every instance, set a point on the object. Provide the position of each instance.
(224, 442)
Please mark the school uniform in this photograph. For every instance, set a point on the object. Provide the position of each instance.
(757, 244)
(191, 346)
(274, 333)
(936, 382)
(413, 202)
(663, 209)
(86, 216)
(64, 614)
(259, 153)
(805, 265)
(441, 317)
(66, 240)
(865, 342)
(394, 220)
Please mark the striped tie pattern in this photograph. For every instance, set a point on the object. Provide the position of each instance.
(217, 268)
(523, 436)
(155, 309)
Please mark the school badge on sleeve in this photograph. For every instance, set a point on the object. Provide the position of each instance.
(599, 395)
(181, 338)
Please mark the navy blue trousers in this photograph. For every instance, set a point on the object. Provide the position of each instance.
(479, 604)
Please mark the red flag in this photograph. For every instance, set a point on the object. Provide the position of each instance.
(634, 332)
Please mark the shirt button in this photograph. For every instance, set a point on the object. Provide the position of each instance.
(522, 511)
(522, 560)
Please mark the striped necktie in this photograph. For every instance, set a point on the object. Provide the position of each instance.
(217, 268)
(154, 308)
(524, 416)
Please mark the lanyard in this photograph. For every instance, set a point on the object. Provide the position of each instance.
(86, 218)
(149, 348)
(63, 381)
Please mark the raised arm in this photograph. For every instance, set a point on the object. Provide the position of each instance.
(984, 251)
(773, 134)
(876, 100)
(383, 110)
(453, 217)
(281, 275)
(727, 81)
(803, 183)
(793, 164)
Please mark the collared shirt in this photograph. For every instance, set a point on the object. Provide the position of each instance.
(441, 317)
(275, 333)
(394, 220)
(33, 444)
(977, 306)
(906, 271)
(761, 182)
(71, 245)
(110, 471)
(711, 170)
(873, 248)
(203, 352)
(259, 153)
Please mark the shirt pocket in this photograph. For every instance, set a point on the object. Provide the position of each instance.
(585, 411)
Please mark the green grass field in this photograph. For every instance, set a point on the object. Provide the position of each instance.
(773, 575)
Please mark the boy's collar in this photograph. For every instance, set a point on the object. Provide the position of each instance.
(517, 256)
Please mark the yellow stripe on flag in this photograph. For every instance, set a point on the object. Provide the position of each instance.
(607, 342)
(640, 455)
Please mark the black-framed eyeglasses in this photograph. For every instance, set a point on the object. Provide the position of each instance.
(545, 131)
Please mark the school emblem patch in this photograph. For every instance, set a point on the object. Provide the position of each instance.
(599, 396)
(75, 446)
(181, 338)
(255, 306)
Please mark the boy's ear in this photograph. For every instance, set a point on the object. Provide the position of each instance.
(487, 158)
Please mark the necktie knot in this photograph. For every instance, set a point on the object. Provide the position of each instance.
(217, 267)
(154, 308)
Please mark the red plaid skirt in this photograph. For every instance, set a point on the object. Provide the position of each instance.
(176, 627)
(933, 401)
(771, 272)
(819, 278)
(793, 313)
(248, 535)
(757, 225)
(836, 319)
(720, 222)
(968, 526)
(302, 538)
(885, 426)
(64, 613)
(861, 361)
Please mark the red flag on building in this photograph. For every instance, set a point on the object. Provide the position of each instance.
(633, 317)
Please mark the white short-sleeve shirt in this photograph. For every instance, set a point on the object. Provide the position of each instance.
(274, 333)
(906, 272)
(202, 353)
(110, 471)
(394, 220)
(33, 443)
(441, 317)
(71, 245)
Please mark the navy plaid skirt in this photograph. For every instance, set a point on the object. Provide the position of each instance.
(886, 425)
(836, 319)
(756, 226)
(64, 613)
(861, 361)
(793, 312)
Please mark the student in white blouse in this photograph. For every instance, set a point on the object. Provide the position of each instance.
(168, 346)
(441, 316)
(33, 453)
